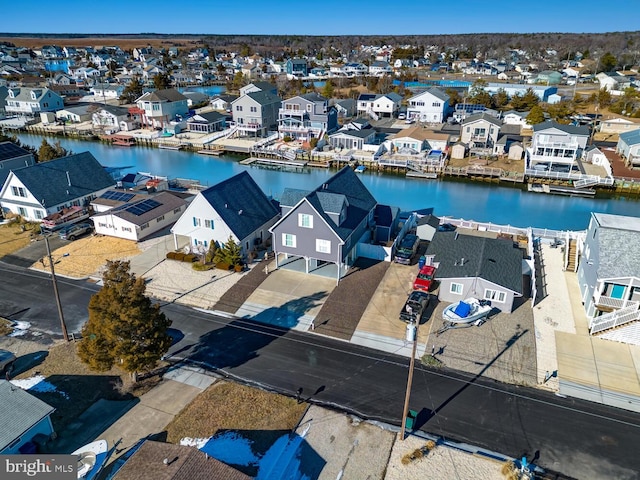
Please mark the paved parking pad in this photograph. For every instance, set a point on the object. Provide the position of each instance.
(287, 299)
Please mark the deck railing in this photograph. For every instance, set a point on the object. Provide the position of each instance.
(617, 318)
(604, 301)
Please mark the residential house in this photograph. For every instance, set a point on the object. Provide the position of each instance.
(107, 91)
(111, 119)
(11, 157)
(206, 122)
(259, 87)
(39, 190)
(464, 110)
(379, 105)
(76, 114)
(380, 68)
(480, 131)
(418, 139)
(354, 69)
(167, 461)
(432, 105)
(4, 93)
(24, 419)
(159, 107)
(196, 99)
(474, 266)
(29, 102)
(323, 227)
(346, 108)
(297, 67)
(556, 145)
(511, 89)
(609, 277)
(306, 116)
(235, 208)
(613, 81)
(547, 77)
(619, 125)
(256, 113)
(628, 147)
(222, 102)
(352, 139)
(139, 218)
(512, 117)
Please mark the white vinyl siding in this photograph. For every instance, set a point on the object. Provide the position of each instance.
(289, 240)
(456, 288)
(305, 220)
(495, 295)
(323, 246)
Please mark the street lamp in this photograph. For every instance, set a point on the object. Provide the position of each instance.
(65, 335)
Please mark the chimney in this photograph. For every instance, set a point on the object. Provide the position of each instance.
(68, 178)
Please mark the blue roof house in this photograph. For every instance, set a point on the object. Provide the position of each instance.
(235, 208)
(629, 147)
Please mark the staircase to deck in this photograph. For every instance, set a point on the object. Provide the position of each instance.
(572, 256)
(372, 114)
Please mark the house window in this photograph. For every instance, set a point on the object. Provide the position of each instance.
(177, 210)
(456, 288)
(22, 211)
(495, 295)
(289, 240)
(126, 229)
(323, 246)
(436, 104)
(208, 224)
(196, 222)
(305, 220)
(18, 191)
(254, 109)
(39, 214)
(100, 224)
(159, 219)
(142, 227)
(238, 108)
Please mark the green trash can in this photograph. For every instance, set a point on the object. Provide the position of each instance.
(410, 420)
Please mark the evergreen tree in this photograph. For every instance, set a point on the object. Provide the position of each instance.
(327, 90)
(48, 152)
(229, 253)
(124, 327)
(536, 115)
(162, 81)
(608, 62)
(132, 92)
(500, 99)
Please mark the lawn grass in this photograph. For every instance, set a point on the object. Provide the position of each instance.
(13, 237)
(80, 387)
(260, 416)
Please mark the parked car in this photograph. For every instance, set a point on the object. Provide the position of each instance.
(414, 307)
(447, 227)
(407, 249)
(76, 230)
(402, 116)
(424, 279)
(7, 359)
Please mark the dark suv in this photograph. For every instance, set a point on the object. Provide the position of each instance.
(74, 231)
(414, 307)
(407, 249)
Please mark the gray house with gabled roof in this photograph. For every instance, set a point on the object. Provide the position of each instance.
(307, 116)
(352, 139)
(22, 417)
(256, 113)
(39, 190)
(235, 208)
(325, 225)
(480, 267)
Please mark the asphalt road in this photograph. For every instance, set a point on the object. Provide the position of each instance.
(577, 438)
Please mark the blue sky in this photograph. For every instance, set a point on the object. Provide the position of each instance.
(324, 17)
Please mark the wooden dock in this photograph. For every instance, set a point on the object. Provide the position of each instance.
(414, 174)
(211, 152)
(273, 162)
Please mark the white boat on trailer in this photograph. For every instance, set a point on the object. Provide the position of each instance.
(470, 310)
(91, 459)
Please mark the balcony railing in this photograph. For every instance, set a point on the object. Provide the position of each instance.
(615, 319)
(602, 300)
(254, 127)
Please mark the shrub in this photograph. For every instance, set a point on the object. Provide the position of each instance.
(430, 445)
(202, 267)
(223, 266)
(179, 256)
(287, 138)
(190, 258)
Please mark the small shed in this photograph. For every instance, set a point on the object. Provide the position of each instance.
(516, 151)
(459, 150)
(427, 226)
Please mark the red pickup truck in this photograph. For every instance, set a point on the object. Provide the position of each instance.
(425, 278)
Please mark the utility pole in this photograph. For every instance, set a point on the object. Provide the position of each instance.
(55, 291)
(409, 379)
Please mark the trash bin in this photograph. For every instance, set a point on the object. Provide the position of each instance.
(410, 421)
(421, 262)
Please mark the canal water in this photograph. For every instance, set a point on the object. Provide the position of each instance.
(470, 201)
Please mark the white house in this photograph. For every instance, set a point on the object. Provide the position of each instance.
(554, 145)
(39, 190)
(515, 118)
(619, 125)
(628, 147)
(140, 217)
(380, 105)
(432, 105)
(235, 208)
(111, 119)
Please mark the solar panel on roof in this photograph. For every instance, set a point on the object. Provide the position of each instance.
(117, 196)
(142, 207)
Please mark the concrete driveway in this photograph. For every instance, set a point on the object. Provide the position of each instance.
(288, 299)
(36, 250)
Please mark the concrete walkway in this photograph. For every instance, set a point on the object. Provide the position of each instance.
(156, 409)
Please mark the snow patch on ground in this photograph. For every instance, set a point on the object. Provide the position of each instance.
(37, 384)
(19, 329)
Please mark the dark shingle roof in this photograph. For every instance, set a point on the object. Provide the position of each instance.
(241, 204)
(343, 187)
(494, 260)
(364, 133)
(211, 117)
(482, 116)
(570, 129)
(184, 463)
(64, 179)
(167, 95)
(20, 411)
(291, 196)
(264, 98)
